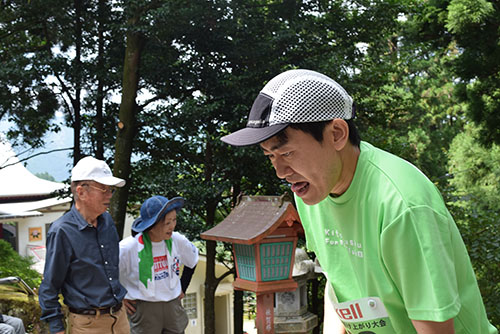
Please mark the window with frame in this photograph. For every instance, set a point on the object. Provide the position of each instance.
(189, 304)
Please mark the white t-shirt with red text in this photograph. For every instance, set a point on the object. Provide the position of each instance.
(165, 284)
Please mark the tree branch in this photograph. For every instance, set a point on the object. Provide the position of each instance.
(227, 273)
(37, 154)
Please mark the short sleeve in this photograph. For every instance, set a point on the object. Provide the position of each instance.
(418, 254)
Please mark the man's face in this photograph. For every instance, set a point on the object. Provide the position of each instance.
(311, 167)
(96, 196)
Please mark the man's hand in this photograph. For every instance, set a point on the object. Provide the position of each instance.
(182, 295)
(61, 332)
(433, 327)
(129, 305)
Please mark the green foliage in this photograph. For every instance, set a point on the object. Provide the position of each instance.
(25, 98)
(13, 264)
(474, 204)
(470, 29)
(464, 13)
(474, 25)
(26, 308)
(475, 170)
(45, 176)
(406, 103)
(49, 57)
(481, 235)
(484, 101)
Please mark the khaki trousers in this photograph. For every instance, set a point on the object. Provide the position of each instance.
(116, 323)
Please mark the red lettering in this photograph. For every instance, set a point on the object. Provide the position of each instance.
(346, 313)
(359, 310)
(160, 263)
(352, 312)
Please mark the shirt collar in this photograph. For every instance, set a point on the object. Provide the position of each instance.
(79, 220)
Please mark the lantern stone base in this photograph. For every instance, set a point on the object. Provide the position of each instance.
(302, 324)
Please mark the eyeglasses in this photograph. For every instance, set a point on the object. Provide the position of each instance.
(107, 190)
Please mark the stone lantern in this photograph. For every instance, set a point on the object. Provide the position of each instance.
(290, 314)
(264, 232)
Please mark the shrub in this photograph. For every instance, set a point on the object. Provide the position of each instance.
(13, 264)
(20, 305)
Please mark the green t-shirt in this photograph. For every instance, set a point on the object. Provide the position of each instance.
(393, 252)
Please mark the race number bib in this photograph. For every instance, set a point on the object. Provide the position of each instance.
(364, 316)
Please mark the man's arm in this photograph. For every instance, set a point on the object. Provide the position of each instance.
(433, 327)
(331, 321)
(56, 265)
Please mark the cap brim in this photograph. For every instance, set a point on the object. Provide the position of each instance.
(136, 222)
(251, 136)
(111, 181)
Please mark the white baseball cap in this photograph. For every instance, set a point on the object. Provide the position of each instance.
(90, 168)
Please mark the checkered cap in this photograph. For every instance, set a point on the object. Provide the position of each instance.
(295, 96)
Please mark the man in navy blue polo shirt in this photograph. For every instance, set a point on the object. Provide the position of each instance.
(82, 257)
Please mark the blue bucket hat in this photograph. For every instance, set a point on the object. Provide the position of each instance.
(154, 209)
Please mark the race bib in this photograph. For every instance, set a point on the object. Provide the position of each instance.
(364, 316)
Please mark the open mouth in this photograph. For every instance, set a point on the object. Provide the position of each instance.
(300, 188)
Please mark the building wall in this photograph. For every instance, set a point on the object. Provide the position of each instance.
(34, 223)
(223, 322)
(223, 301)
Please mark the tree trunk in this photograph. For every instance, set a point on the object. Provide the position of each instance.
(238, 311)
(99, 123)
(238, 294)
(211, 280)
(127, 126)
(315, 303)
(75, 102)
(210, 286)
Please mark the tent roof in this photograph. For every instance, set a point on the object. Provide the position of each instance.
(16, 182)
(28, 209)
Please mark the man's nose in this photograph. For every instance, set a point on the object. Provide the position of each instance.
(282, 169)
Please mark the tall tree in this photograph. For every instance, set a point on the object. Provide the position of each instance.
(26, 99)
(475, 185)
(471, 25)
(474, 25)
(48, 57)
(127, 126)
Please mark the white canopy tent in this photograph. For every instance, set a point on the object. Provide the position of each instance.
(28, 205)
(21, 192)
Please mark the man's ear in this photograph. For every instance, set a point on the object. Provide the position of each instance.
(80, 191)
(337, 133)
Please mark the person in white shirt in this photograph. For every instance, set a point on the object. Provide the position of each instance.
(11, 325)
(150, 264)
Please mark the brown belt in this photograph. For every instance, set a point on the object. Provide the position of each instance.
(94, 311)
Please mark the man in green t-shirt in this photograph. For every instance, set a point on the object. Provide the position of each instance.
(393, 256)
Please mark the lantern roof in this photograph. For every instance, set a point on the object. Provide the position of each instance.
(255, 218)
